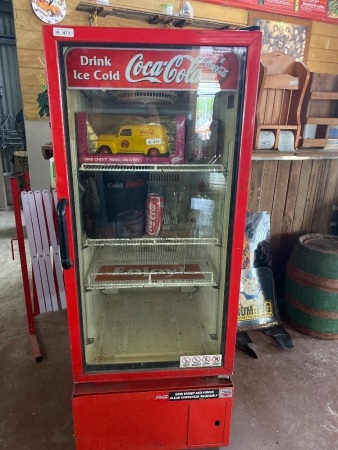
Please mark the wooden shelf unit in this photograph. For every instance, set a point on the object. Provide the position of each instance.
(320, 108)
(314, 154)
(282, 85)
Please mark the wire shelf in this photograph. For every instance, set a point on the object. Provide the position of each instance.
(148, 266)
(153, 167)
(154, 241)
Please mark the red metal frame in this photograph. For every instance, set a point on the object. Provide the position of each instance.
(52, 36)
(19, 184)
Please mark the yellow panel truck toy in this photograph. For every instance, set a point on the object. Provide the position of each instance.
(145, 139)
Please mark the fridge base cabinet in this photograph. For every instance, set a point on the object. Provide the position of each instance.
(179, 415)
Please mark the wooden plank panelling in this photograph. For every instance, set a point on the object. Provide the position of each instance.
(289, 214)
(325, 29)
(268, 190)
(299, 196)
(335, 197)
(300, 201)
(323, 48)
(323, 55)
(311, 197)
(323, 42)
(282, 181)
(256, 185)
(323, 67)
(329, 193)
(318, 204)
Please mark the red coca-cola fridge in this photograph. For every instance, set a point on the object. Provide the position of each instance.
(152, 133)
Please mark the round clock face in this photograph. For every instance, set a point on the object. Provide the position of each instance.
(50, 11)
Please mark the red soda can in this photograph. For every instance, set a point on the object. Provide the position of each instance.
(154, 214)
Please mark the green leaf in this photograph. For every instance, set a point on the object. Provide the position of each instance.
(42, 100)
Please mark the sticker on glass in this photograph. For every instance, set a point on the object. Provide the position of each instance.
(201, 361)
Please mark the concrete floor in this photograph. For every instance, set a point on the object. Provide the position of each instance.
(286, 399)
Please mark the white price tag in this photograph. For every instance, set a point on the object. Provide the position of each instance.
(65, 32)
(155, 141)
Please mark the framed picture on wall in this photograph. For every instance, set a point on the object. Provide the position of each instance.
(283, 33)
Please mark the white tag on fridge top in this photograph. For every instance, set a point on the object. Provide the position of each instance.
(65, 32)
(201, 361)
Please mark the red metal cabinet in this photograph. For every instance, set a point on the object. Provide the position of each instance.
(174, 416)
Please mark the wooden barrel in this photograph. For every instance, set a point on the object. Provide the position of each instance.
(311, 286)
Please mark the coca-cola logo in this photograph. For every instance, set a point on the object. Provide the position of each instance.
(147, 132)
(179, 69)
(135, 183)
(151, 218)
(139, 70)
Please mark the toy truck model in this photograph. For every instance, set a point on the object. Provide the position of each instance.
(145, 139)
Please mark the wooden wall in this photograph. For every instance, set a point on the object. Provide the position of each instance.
(323, 52)
(300, 196)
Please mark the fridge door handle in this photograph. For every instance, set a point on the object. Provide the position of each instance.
(63, 234)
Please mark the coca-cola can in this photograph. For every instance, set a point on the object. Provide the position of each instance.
(154, 214)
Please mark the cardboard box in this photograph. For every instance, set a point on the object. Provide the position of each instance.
(90, 125)
(21, 161)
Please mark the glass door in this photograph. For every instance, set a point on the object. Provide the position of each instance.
(153, 146)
